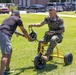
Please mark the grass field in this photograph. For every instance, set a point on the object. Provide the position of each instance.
(24, 51)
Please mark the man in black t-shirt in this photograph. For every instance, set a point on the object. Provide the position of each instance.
(7, 29)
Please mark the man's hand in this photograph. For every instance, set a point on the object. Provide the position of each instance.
(30, 39)
(51, 32)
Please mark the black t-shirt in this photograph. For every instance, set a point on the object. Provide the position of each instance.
(10, 24)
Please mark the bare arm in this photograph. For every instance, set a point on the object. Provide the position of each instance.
(25, 33)
(18, 33)
(37, 25)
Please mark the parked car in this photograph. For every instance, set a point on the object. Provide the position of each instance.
(20, 7)
(73, 7)
(57, 7)
(35, 8)
(67, 6)
(4, 8)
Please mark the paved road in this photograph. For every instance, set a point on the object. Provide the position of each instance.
(64, 15)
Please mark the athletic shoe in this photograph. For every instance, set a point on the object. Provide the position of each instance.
(6, 72)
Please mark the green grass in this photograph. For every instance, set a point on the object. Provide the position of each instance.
(24, 51)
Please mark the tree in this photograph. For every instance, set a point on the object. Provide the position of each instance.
(52, 0)
(5, 1)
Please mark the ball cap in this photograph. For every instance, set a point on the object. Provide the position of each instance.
(16, 12)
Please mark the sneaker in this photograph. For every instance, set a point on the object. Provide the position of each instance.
(6, 72)
(44, 58)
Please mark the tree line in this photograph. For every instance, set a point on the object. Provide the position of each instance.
(5, 1)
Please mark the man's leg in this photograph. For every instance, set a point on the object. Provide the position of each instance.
(4, 60)
(42, 41)
(53, 42)
(39, 45)
(8, 62)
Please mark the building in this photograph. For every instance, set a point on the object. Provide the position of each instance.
(30, 2)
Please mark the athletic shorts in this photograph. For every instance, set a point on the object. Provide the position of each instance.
(5, 43)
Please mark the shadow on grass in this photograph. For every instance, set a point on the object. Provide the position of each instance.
(23, 69)
(48, 67)
(58, 63)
